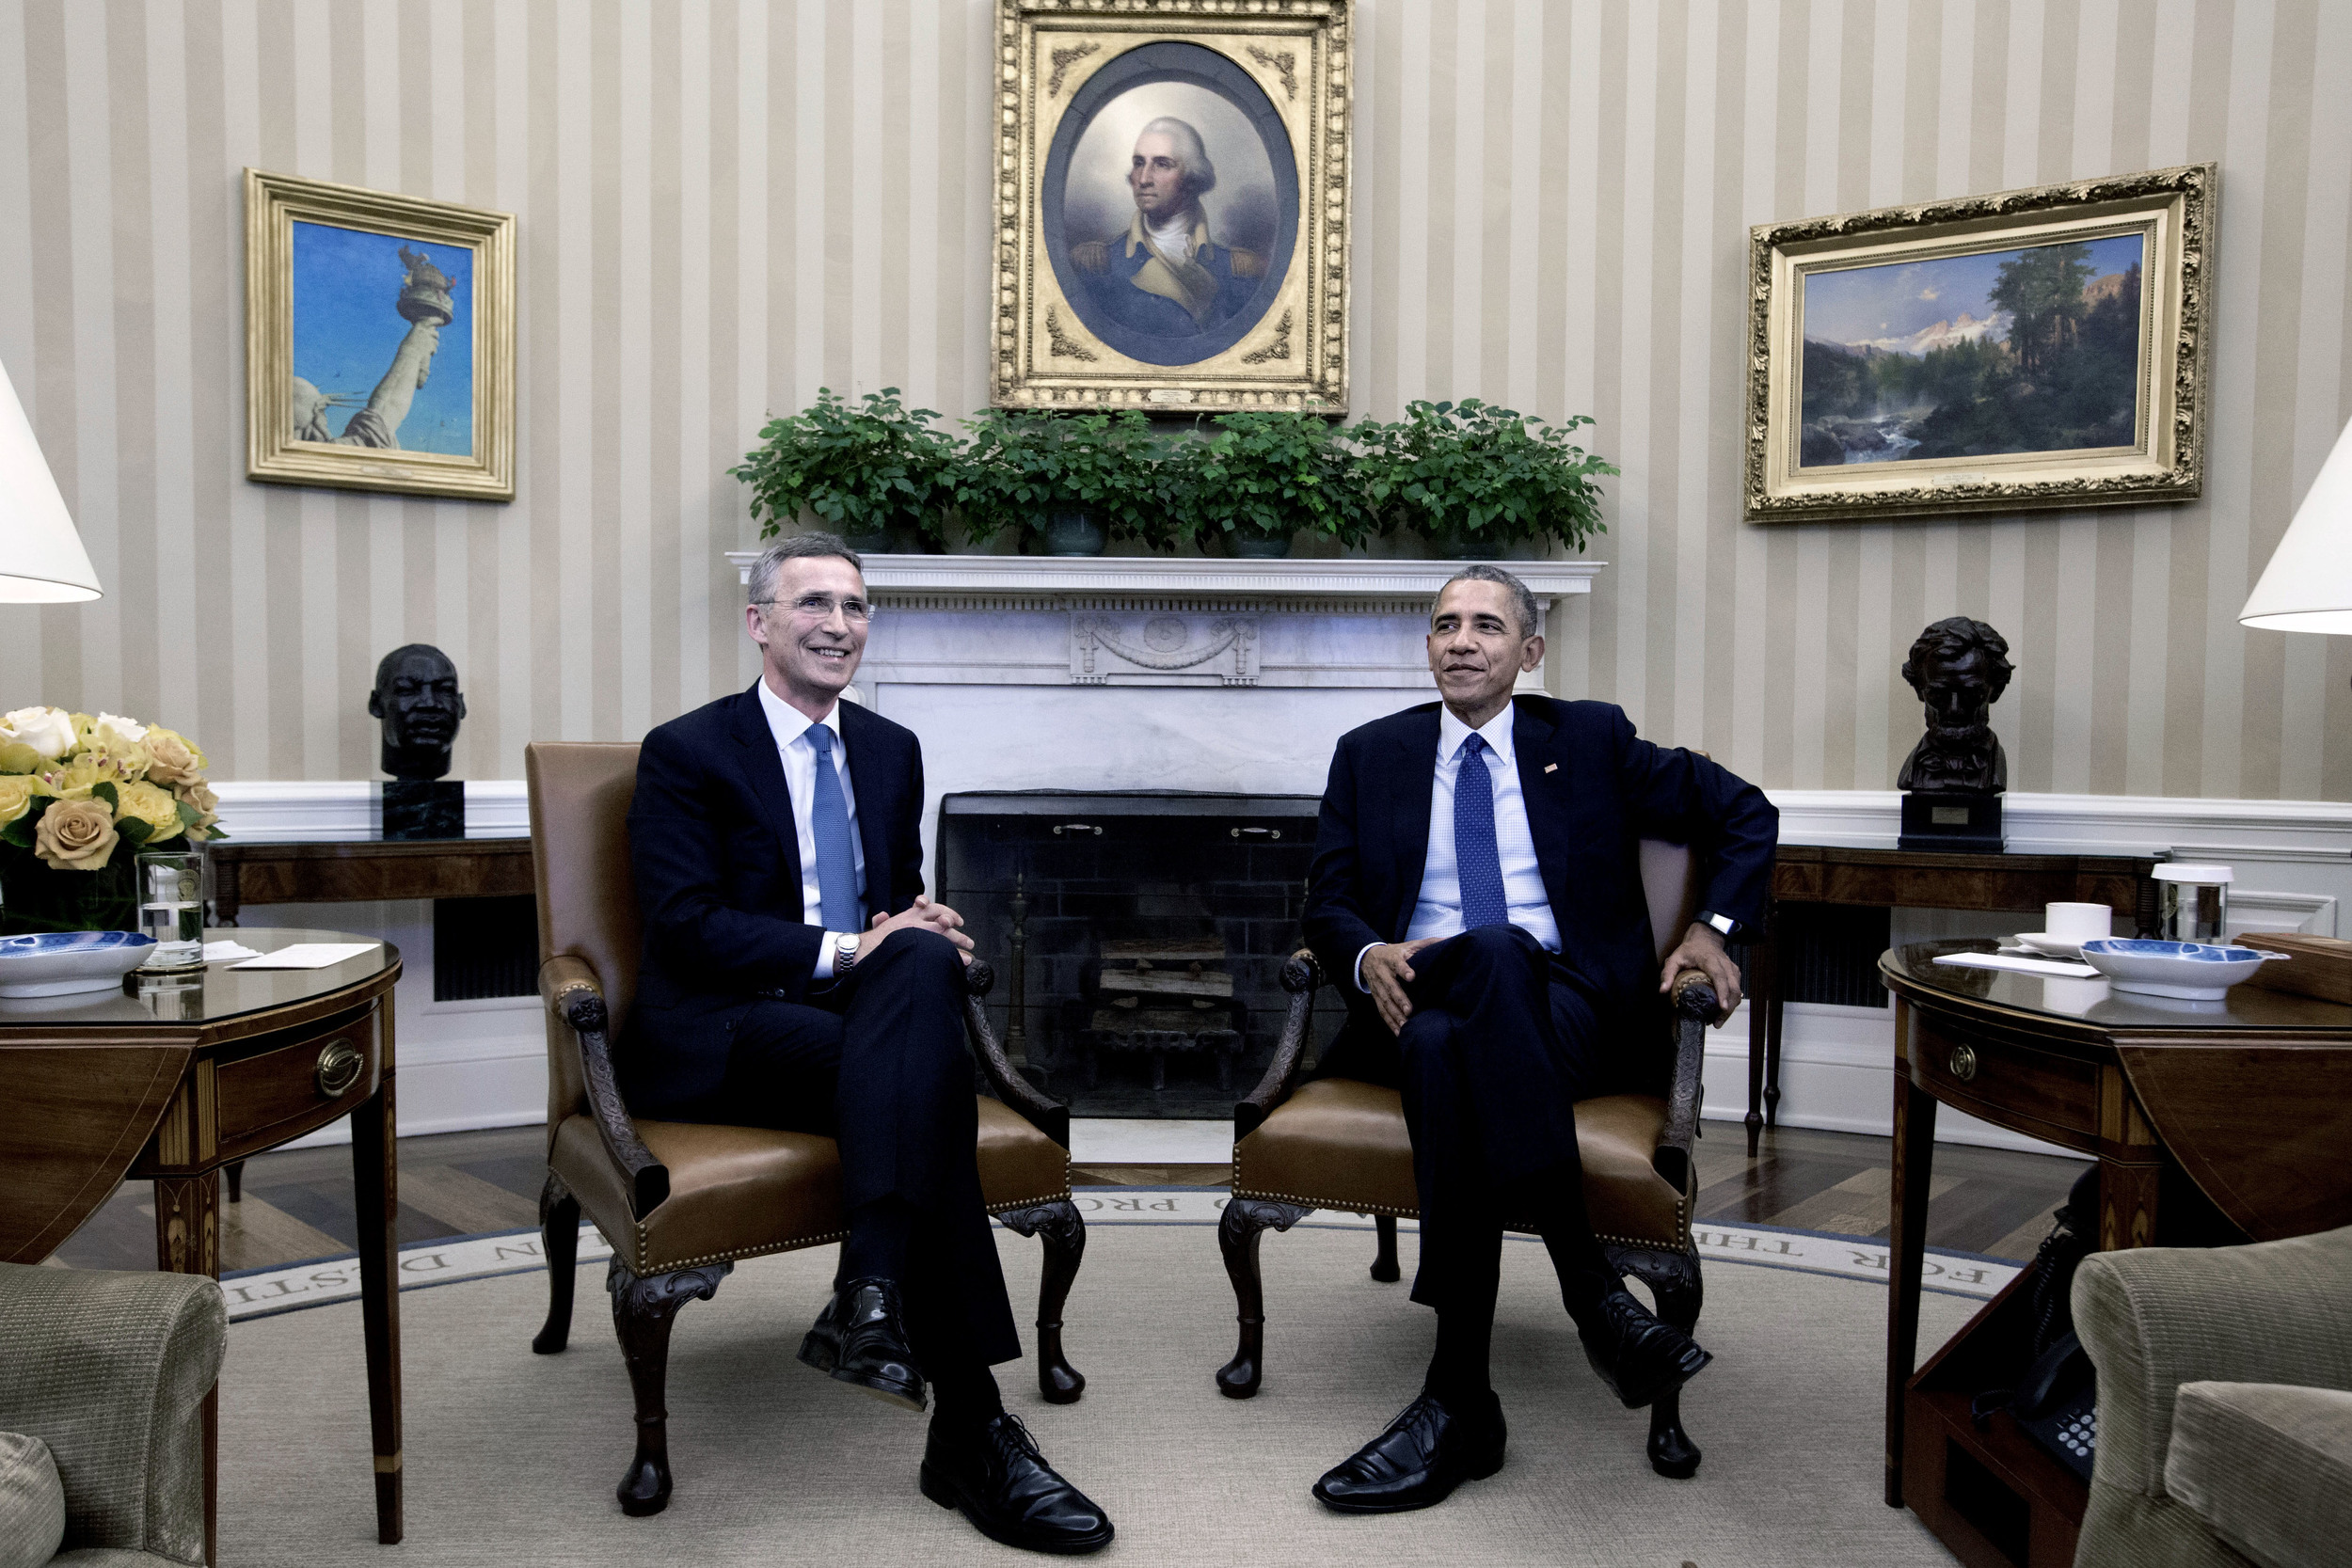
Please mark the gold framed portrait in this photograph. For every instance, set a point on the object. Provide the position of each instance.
(2033, 348)
(379, 340)
(1172, 204)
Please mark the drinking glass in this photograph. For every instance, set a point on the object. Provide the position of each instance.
(171, 908)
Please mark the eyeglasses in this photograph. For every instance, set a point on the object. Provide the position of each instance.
(820, 607)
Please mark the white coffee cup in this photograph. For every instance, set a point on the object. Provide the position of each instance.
(2077, 922)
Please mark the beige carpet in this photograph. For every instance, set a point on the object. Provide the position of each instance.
(512, 1457)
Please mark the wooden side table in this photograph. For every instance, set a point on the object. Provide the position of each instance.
(338, 871)
(2249, 1100)
(174, 1078)
(1911, 878)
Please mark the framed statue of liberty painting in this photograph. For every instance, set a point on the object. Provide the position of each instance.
(379, 340)
(2033, 348)
(1172, 204)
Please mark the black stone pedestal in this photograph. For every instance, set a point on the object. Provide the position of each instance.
(423, 808)
(1952, 822)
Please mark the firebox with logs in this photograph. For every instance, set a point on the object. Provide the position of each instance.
(1156, 998)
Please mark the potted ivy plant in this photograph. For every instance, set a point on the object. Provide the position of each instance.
(1260, 477)
(1473, 479)
(1067, 481)
(867, 471)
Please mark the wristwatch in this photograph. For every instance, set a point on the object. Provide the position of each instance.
(1723, 923)
(844, 954)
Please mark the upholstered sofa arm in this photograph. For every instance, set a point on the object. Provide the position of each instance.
(110, 1370)
(2155, 1318)
(1301, 974)
(573, 994)
(1049, 1117)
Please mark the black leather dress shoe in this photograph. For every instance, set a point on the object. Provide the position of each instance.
(861, 1338)
(1636, 1356)
(1428, 1450)
(996, 1476)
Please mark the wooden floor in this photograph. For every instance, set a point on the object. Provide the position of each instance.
(297, 1203)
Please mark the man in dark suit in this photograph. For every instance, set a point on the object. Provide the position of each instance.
(795, 976)
(1477, 891)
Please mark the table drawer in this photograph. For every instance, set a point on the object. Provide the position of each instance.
(282, 1093)
(2039, 1093)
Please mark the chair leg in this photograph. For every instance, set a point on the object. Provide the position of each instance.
(643, 1311)
(1062, 1232)
(1247, 1219)
(1674, 1279)
(559, 1236)
(1384, 1267)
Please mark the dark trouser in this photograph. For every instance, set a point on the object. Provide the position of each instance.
(1500, 1048)
(879, 1063)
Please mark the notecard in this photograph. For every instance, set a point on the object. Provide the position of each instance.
(2023, 966)
(310, 954)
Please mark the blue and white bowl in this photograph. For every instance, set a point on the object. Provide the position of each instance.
(2192, 971)
(58, 963)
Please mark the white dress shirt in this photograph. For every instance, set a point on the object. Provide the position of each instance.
(1437, 910)
(790, 727)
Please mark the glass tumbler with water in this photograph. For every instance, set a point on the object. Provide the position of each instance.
(172, 908)
(2193, 902)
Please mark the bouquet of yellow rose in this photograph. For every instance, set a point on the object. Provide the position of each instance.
(75, 790)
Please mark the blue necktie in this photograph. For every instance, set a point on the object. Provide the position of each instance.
(836, 855)
(1477, 863)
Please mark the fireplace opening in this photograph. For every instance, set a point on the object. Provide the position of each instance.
(1138, 937)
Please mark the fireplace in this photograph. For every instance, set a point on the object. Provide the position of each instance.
(1139, 936)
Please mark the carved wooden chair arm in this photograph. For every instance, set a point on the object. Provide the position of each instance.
(1301, 974)
(1048, 1116)
(573, 994)
(1695, 1007)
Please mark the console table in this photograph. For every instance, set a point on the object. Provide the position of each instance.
(2249, 1099)
(174, 1077)
(1913, 878)
(342, 871)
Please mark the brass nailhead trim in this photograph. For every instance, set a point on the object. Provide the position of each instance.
(802, 1243)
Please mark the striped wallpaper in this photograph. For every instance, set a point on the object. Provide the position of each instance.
(725, 203)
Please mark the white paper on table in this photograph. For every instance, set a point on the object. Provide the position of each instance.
(226, 950)
(2023, 966)
(310, 954)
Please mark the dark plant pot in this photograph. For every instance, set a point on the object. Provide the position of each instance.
(877, 543)
(1074, 533)
(1250, 544)
(34, 898)
(1464, 546)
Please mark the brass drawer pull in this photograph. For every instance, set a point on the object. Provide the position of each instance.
(1964, 1063)
(340, 1066)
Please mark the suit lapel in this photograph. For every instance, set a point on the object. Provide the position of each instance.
(1412, 778)
(873, 776)
(1543, 794)
(764, 768)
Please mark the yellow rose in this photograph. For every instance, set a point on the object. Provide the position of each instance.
(76, 836)
(17, 757)
(145, 802)
(171, 756)
(18, 791)
(196, 793)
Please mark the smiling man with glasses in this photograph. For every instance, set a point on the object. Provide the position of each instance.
(796, 976)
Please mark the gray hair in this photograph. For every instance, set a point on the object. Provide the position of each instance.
(1521, 600)
(796, 547)
(1191, 152)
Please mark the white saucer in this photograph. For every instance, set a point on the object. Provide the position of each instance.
(2057, 947)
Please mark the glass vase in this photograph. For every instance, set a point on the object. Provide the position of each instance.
(34, 897)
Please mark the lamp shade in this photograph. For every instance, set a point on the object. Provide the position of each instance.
(2307, 584)
(41, 559)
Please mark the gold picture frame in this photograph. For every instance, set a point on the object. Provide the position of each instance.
(1248, 305)
(353, 379)
(2040, 381)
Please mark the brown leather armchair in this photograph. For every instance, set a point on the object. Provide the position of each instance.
(1336, 1143)
(681, 1201)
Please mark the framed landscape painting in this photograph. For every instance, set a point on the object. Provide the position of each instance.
(1172, 212)
(2037, 348)
(379, 340)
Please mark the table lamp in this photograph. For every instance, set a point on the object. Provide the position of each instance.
(2307, 584)
(41, 559)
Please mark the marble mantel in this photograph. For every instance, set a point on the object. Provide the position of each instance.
(1121, 673)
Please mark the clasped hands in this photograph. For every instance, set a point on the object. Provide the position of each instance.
(1389, 969)
(922, 915)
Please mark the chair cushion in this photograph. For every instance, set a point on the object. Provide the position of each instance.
(737, 1191)
(32, 1502)
(1340, 1144)
(2267, 1466)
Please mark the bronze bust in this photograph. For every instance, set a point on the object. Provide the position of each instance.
(1960, 668)
(416, 696)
